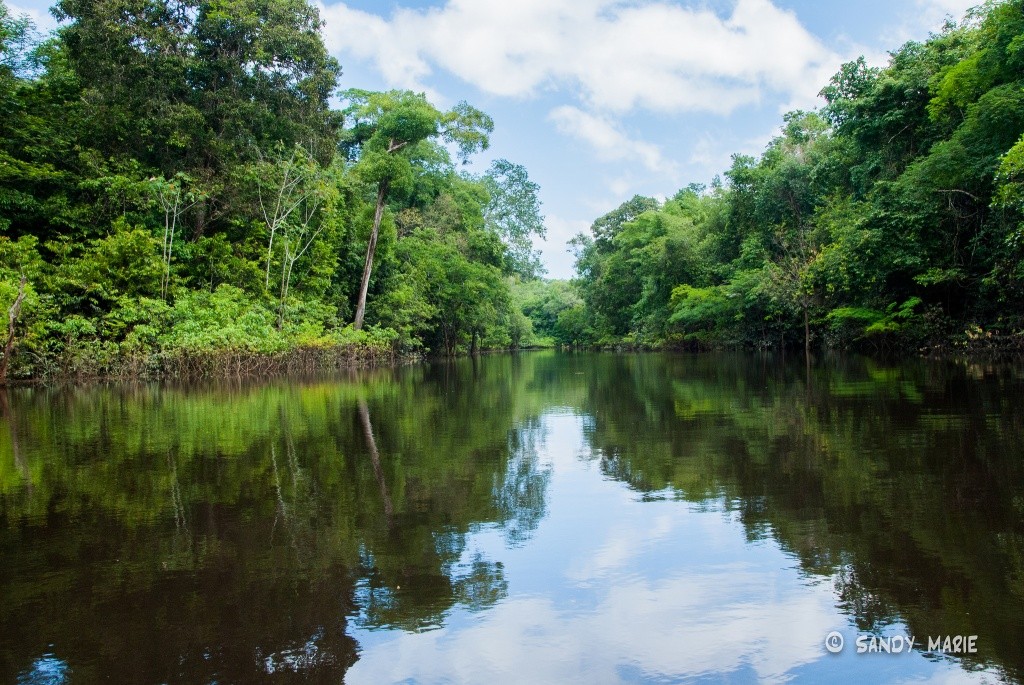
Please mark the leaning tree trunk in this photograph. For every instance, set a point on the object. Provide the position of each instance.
(370, 249)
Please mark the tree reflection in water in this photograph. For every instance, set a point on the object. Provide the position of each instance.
(241, 532)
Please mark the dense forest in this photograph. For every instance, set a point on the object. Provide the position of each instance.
(890, 219)
(184, 189)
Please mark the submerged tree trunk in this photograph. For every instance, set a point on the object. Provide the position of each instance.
(364, 285)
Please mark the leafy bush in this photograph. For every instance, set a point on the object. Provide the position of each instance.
(226, 319)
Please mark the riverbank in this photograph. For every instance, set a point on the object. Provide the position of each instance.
(974, 342)
(99, 359)
(282, 354)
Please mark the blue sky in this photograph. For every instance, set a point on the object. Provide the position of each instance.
(604, 99)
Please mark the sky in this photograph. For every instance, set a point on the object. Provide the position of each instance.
(601, 100)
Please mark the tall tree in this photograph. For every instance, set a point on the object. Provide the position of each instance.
(513, 212)
(386, 135)
(198, 86)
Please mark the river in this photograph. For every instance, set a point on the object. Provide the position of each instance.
(536, 518)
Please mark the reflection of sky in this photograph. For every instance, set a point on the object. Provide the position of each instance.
(46, 670)
(612, 589)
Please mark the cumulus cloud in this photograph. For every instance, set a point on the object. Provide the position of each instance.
(555, 251)
(619, 56)
(672, 629)
(43, 21)
(608, 140)
(920, 19)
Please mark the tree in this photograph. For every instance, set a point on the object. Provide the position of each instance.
(513, 212)
(175, 198)
(543, 301)
(608, 226)
(386, 135)
(171, 156)
(464, 298)
(199, 86)
(12, 320)
(16, 39)
(298, 200)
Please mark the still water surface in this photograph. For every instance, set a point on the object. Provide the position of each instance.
(541, 518)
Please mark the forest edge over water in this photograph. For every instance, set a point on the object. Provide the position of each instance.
(179, 196)
(192, 532)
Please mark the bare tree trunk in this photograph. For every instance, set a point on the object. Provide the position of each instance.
(286, 275)
(12, 319)
(378, 214)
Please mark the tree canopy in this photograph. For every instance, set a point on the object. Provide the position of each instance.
(177, 185)
(889, 219)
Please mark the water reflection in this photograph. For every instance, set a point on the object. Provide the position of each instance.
(543, 517)
(900, 484)
(46, 670)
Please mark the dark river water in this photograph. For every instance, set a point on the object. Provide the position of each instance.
(540, 518)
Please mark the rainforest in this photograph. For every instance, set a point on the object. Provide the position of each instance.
(248, 431)
(186, 187)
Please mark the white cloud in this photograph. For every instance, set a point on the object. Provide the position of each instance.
(678, 628)
(923, 17)
(623, 544)
(704, 154)
(608, 140)
(618, 55)
(43, 21)
(621, 185)
(953, 8)
(555, 251)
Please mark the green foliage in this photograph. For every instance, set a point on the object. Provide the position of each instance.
(626, 279)
(190, 86)
(572, 329)
(899, 323)
(891, 218)
(544, 302)
(513, 212)
(178, 193)
(126, 262)
(225, 319)
(1010, 178)
(701, 313)
(464, 303)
